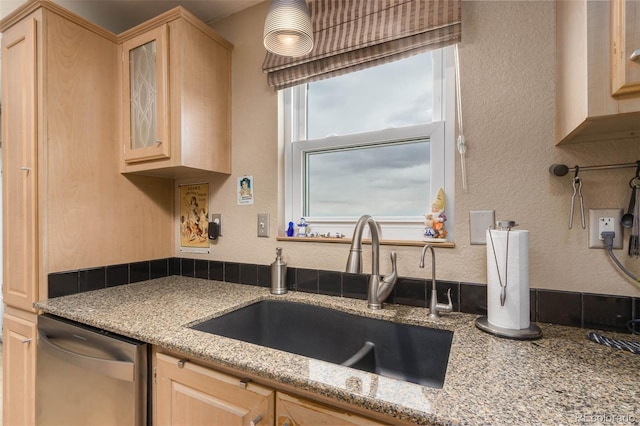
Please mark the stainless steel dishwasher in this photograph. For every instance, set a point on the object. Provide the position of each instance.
(89, 377)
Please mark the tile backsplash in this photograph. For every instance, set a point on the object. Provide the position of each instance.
(594, 311)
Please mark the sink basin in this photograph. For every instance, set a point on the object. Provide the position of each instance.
(401, 351)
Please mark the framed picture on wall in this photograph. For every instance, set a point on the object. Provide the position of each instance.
(194, 215)
(245, 190)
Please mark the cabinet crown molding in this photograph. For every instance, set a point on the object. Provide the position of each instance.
(29, 7)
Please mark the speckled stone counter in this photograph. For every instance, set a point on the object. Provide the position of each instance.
(560, 379)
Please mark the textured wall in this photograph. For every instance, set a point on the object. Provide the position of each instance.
(507, 59)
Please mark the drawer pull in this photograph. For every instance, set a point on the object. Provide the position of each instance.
(25, 340)
(257, 420)
(181, 363)
(635, 56)
(25, 168)
(244, 382)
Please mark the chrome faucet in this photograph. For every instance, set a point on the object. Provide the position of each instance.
(435, 307)
(378, 291)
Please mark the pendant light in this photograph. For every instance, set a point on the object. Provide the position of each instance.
(287, 29)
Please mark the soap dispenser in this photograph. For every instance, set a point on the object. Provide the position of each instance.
(278, 274)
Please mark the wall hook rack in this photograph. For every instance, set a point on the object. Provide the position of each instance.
(563, 169)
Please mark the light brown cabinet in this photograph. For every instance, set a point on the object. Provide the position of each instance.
(144, 74)
(186, 393)
(293, 411)
(189, 394)
(20, 164)
(176, 98)
(625, 52)
(18, 367)
(591, 37)
(60, 173)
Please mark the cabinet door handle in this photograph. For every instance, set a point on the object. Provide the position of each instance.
(25, 168)
(635, 56)
(257, 420)
(158, 142)
(25, 340)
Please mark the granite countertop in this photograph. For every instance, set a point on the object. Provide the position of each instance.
(560, 379)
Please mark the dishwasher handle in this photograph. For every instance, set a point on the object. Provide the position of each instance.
(121, 370)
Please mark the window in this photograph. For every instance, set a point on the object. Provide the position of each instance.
(371, 142)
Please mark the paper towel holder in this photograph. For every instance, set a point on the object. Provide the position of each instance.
(530, 333)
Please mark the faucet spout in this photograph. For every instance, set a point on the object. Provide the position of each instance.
(434, 307)
(354, 261)
(378, 291)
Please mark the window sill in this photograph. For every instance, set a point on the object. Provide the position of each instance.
(444, 244)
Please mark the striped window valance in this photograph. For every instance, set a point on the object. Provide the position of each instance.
(351, 35)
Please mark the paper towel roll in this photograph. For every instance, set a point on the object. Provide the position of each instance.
(514, 272)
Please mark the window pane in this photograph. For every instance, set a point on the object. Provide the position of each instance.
(382, 180)
(396, 94)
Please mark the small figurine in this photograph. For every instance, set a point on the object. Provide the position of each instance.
(434, 221)
(290, 230)
(302, 227)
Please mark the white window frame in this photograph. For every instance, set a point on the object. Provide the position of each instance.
(440, 132)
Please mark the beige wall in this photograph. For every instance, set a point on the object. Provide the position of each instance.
(507, 59)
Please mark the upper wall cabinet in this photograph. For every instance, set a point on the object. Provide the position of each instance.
(145, 82)
(598, 83)
(625, 54)
(176, 93)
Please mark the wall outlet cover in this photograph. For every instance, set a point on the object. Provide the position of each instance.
(605, 219)
(479, 222)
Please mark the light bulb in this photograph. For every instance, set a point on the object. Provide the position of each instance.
(287, 29)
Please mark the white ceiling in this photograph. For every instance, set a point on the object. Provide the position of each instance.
(119, 15)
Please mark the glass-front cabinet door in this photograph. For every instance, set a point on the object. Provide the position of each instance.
(145, 90)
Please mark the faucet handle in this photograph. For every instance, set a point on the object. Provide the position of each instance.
(441, 307)
(391, 277)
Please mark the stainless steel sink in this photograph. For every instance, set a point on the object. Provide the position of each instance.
(401, 351)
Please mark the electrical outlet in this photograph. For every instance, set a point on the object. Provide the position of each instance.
(605, 224)
(263, 224)
(217, 216)
(601, 220)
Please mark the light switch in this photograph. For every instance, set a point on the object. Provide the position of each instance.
(263, 224)
(479, 222)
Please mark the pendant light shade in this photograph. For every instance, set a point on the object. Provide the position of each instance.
(287, 29)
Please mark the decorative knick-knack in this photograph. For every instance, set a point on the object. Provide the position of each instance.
(434, 221)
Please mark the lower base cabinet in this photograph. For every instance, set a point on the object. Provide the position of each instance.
(19, 366)
(190, 394)
(293, 411)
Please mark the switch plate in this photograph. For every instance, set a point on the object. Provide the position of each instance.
(263, 224)
(604, 219)
(218, 216)
(479, 222)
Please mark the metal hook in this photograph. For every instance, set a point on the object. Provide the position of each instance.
(577, 190)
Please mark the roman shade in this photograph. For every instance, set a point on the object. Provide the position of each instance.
(351, 35)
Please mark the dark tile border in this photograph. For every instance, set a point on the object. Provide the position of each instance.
(594, 311)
